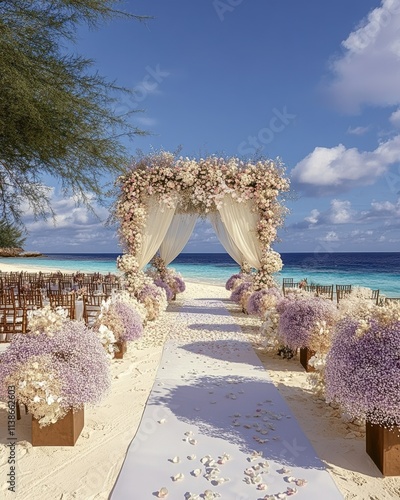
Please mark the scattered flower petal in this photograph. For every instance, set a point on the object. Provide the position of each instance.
(162, 493)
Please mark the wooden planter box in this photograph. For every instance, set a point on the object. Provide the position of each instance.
(383, 446)
(305, 355)
(122, 347)
(64, 432)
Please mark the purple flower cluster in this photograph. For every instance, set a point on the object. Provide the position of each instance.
(133, 328)
(160, 283)
(230, 284)
(179, 285)
(77, 357)
(363, 371)
(298, 317)
(256, 301)
(151, 291)
(237, 293)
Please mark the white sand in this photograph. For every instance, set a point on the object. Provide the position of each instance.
(6, 268)
(89, 470)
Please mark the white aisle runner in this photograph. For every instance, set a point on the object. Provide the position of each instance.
(215, 426)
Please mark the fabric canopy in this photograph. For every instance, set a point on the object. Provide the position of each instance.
(177, 236)
(241, 225)
(159, 217)
(224, 237)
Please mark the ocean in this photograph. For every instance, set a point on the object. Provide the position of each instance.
(374, 270)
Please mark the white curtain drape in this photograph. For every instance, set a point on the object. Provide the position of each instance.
(159, 218)
(224, 237)
(241, 225)
(177, 236)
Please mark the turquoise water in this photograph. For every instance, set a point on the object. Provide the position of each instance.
(376, 271)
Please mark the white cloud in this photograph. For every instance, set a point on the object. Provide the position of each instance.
(146, 121)
(341, 212)
(358, 130)
(313, 217)
(338, 169)
(385, 209)
(330, 236)
(73, 226)
(367, 72)
(395, 118)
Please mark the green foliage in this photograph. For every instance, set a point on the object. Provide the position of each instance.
(56, 116)
(11, 236)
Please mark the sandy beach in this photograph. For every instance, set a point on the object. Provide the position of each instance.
(89, 470)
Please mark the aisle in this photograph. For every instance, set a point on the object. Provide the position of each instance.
(215, 426)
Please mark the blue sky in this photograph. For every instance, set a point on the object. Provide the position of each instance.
(314, 83)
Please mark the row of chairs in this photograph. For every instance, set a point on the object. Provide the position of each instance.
(50, 282)
(14, 318)
(325, 291)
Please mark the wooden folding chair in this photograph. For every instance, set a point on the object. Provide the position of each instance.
(91, 307)
(7, 297)
(31, 299)
(65, 285)
(286, 281)
(66, 301)
(388, 300)
(342, 291)
(290, 286)
(109, 288)
(325, 291)
(53, 287)
(13, 320)
(375, 296)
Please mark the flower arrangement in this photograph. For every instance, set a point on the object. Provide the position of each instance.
(134, 280)
(317, 378)
(245, 267)
(142, 287)
(269, 329)
(166, 277)
(306, 322)
(358, 304)
(363, 368)
(46, 320)
(132, 324)
(200, 186)
(271, 263)
(55, 370)
(234, 280)
(240, 290)
(178, 285)
(154, 299)
(126, 297)
(107, 339)
(120, 316)
(261, 301)
(168, 291)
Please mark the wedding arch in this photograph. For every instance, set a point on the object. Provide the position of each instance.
(161, 198)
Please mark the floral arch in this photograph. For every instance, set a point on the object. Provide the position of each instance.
(161, 198)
